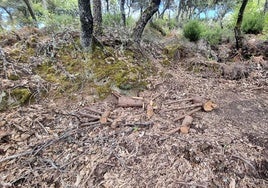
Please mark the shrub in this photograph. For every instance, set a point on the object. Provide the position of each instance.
(213, 35)
(192, 30)
(253, 23)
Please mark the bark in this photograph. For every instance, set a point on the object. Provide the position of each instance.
(30, 9)
(265, 6)
(86, 20)
(97, 17)
(237, 29)
(145, 17)
(123, 14)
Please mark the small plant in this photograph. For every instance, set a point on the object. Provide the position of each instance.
(192, 30)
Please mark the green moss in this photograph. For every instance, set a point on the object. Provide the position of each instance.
(103, 91)
(13, 77)
(171, 51)
(166, 62)
(22, 95)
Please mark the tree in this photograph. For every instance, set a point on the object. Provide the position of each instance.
(237, 29)
(86, 20)
(265, 6)
(107, 6)
(122, 10)
(145, 17)
(166, 6)
(97, 15)
(30, 9)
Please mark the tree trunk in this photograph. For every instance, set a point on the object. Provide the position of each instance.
(86, 20)
(30, 9)
(265, 6)
(179, 10)
(167, 5)
(237, 29)
(107, 6)
(145, 17)
(97, 16)
(123, 14)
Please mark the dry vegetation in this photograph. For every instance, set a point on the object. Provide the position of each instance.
(197, 123)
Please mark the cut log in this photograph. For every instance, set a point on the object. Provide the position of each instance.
(104, 117)
(124, 101)
(209, 106)
(186, 123)
(185, 126)
(150, 110)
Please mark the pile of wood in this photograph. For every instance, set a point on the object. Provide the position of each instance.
(196, 104)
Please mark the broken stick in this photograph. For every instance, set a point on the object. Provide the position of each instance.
(188, 113)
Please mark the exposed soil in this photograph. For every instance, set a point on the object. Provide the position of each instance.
(50, 144)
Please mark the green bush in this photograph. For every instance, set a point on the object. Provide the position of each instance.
(192, 30)
(253, 23)
(213, 35)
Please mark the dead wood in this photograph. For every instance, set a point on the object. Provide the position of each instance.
(194, 100)
(150, 110)
(124, 101)
(184, 107)
(104, 117)
(185, 126)
(188, 113)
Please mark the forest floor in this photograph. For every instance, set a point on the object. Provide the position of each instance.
(65, 143)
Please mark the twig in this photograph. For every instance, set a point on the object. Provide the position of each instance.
(42, 126)
(181, 100)
(145, 124)
(89, 115)
(16, 156)
(184, 107)
(93, 110)
(188, 113)
(246, 161)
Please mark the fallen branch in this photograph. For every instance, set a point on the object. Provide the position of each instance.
(125, 101)
(184, 107)
(16, 156)
(188, 113)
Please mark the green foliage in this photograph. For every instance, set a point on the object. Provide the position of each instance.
(192, 30)
(213, 35)
(253, 18)
(253, 23)
(130, 21)
(168, 24)
(111, 19)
